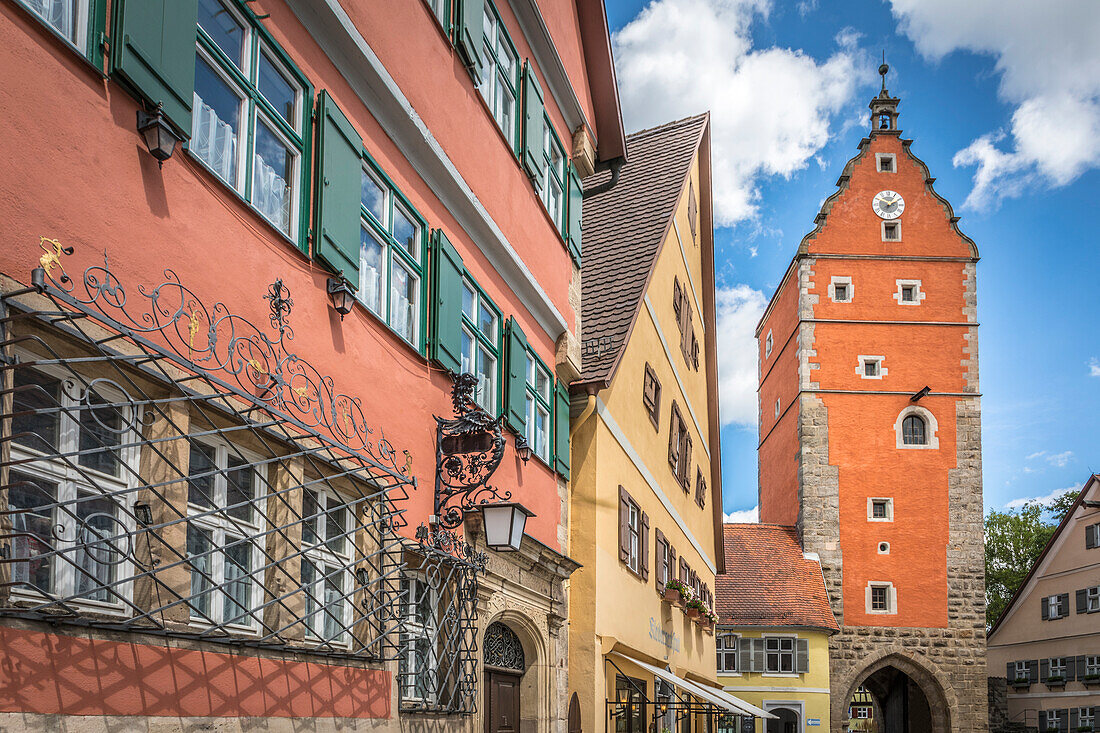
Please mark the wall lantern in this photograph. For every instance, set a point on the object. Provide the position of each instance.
(341, 295)
(504, 523)
(523, 449)
(159, 136)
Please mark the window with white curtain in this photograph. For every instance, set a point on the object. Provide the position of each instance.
(327, 539)
(68, 17)
(480, 344)
(540, 389)
(500, 74)
(247, 116)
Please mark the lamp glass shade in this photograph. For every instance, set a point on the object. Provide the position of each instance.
(504, 525)
(343, 297)
(158, 136)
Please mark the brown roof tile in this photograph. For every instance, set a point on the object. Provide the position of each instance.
(768, 582)
(622, 235)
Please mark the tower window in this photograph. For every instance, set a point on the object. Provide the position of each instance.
(870, 367)
(908, 292)
(881, 598)
(886, 162)
(880, 510)
(768, 345)
(891, 231)
(777, 408)
(840, 289)
(914, 431)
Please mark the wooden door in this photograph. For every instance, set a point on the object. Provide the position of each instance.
(502, 708)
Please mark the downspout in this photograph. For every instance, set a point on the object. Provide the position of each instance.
(616, 167)
(586, 413)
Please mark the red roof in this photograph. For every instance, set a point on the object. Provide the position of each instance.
(768, 582)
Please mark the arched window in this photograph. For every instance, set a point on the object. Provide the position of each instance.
(502, 648)
(914, 430)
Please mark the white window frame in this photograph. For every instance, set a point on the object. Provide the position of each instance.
(485, 394)
(720, 639)
(871, 501)
(538, 405)
(492, 88)
(888, 224)
(1092, 599)
(918, 294)
(891, 598)
(1086, 716)
(414, 629)
(848, 287)
(225, 530)
(1054, 602)
(877, 360)
(1059, 670)
(79, 39)
(1054, 719)
(931, 427)
(893, 158)
(552, 187)
(634, 536)
(780, 640)
(1092, 664)
(70, 483)
(768, 343)
(325, 560)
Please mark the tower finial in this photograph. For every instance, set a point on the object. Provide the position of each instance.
(882, 71)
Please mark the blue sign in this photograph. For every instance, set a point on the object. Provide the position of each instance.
(670, 639)
(813, 721)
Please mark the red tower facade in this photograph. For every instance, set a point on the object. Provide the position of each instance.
(870, 434)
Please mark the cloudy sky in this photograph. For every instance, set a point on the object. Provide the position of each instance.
(1003, 103)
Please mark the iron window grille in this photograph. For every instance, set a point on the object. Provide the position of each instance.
(162, 457)
(503, 649)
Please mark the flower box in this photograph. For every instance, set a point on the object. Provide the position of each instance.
(693, 613)
(1091, 679)
(671, 595)
(1057, 681)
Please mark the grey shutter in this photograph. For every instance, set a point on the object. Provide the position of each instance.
(802, 656)
(575, 201)
(339, 191)
(1082, 601)
(1032, 670)
(624, 525)
(534, 125)
(515, 378)
(1071, 669)
(1080, 664)
(1063, 720)
(1010, 672)
(446, 342)
(643, 547)
(1073, 719)
(470, 34)
(153, 43)
(1042, 721)
(758, 656)
(1044, 670)
(744, 654)
(1064, 598)
(1045, 608)
(1092, 536)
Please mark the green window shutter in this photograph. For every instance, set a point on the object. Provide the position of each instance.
(515, 398)
(561, 429)
(469, 35)
(446, 345)
(154, 53)
(573, 227)
(339, 191)
(534, 124)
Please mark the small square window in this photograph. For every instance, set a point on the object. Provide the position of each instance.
(870, 368)
(880, 510)
(880, 598)
(886, 162)
(841, 293)
(907, 293)
(891, 231)
(840, 289)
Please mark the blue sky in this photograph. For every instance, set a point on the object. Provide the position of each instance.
(1007, 116)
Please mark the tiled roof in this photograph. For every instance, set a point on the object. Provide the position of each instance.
(768, 582)
(622, 235)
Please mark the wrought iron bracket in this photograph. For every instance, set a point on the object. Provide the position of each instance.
(469, 448)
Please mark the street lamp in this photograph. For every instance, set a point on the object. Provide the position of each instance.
(523, 449)
(504, 523)
(159, 136)
(341, 295)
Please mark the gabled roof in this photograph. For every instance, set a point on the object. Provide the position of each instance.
(769, 582)
(623, 230)
(1093, 479)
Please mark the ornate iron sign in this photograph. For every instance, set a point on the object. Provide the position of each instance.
(469, 448)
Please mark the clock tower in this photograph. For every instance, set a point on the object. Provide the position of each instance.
(870, 435)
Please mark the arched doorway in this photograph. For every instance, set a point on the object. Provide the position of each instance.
(505, 665)
(905, 697)
(786, 721)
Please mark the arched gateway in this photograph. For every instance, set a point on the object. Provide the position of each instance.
(907, 696)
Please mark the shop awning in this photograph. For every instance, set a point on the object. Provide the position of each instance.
(721, 698)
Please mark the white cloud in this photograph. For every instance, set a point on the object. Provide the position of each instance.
(1049, 63)
(770, 108)
(738, 309)
(1017, 503)
(1094, 367)
(1059, 460)
(744, 516)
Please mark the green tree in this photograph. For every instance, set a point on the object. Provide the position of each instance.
(1013, 542)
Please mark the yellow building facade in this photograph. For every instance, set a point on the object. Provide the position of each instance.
(645, 505)
(772, 641)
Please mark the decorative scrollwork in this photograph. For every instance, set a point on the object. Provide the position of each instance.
(216, 340)
(469, 448)
(446, 542)
(503, 648)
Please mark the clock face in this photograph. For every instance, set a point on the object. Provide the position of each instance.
(888, 204)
